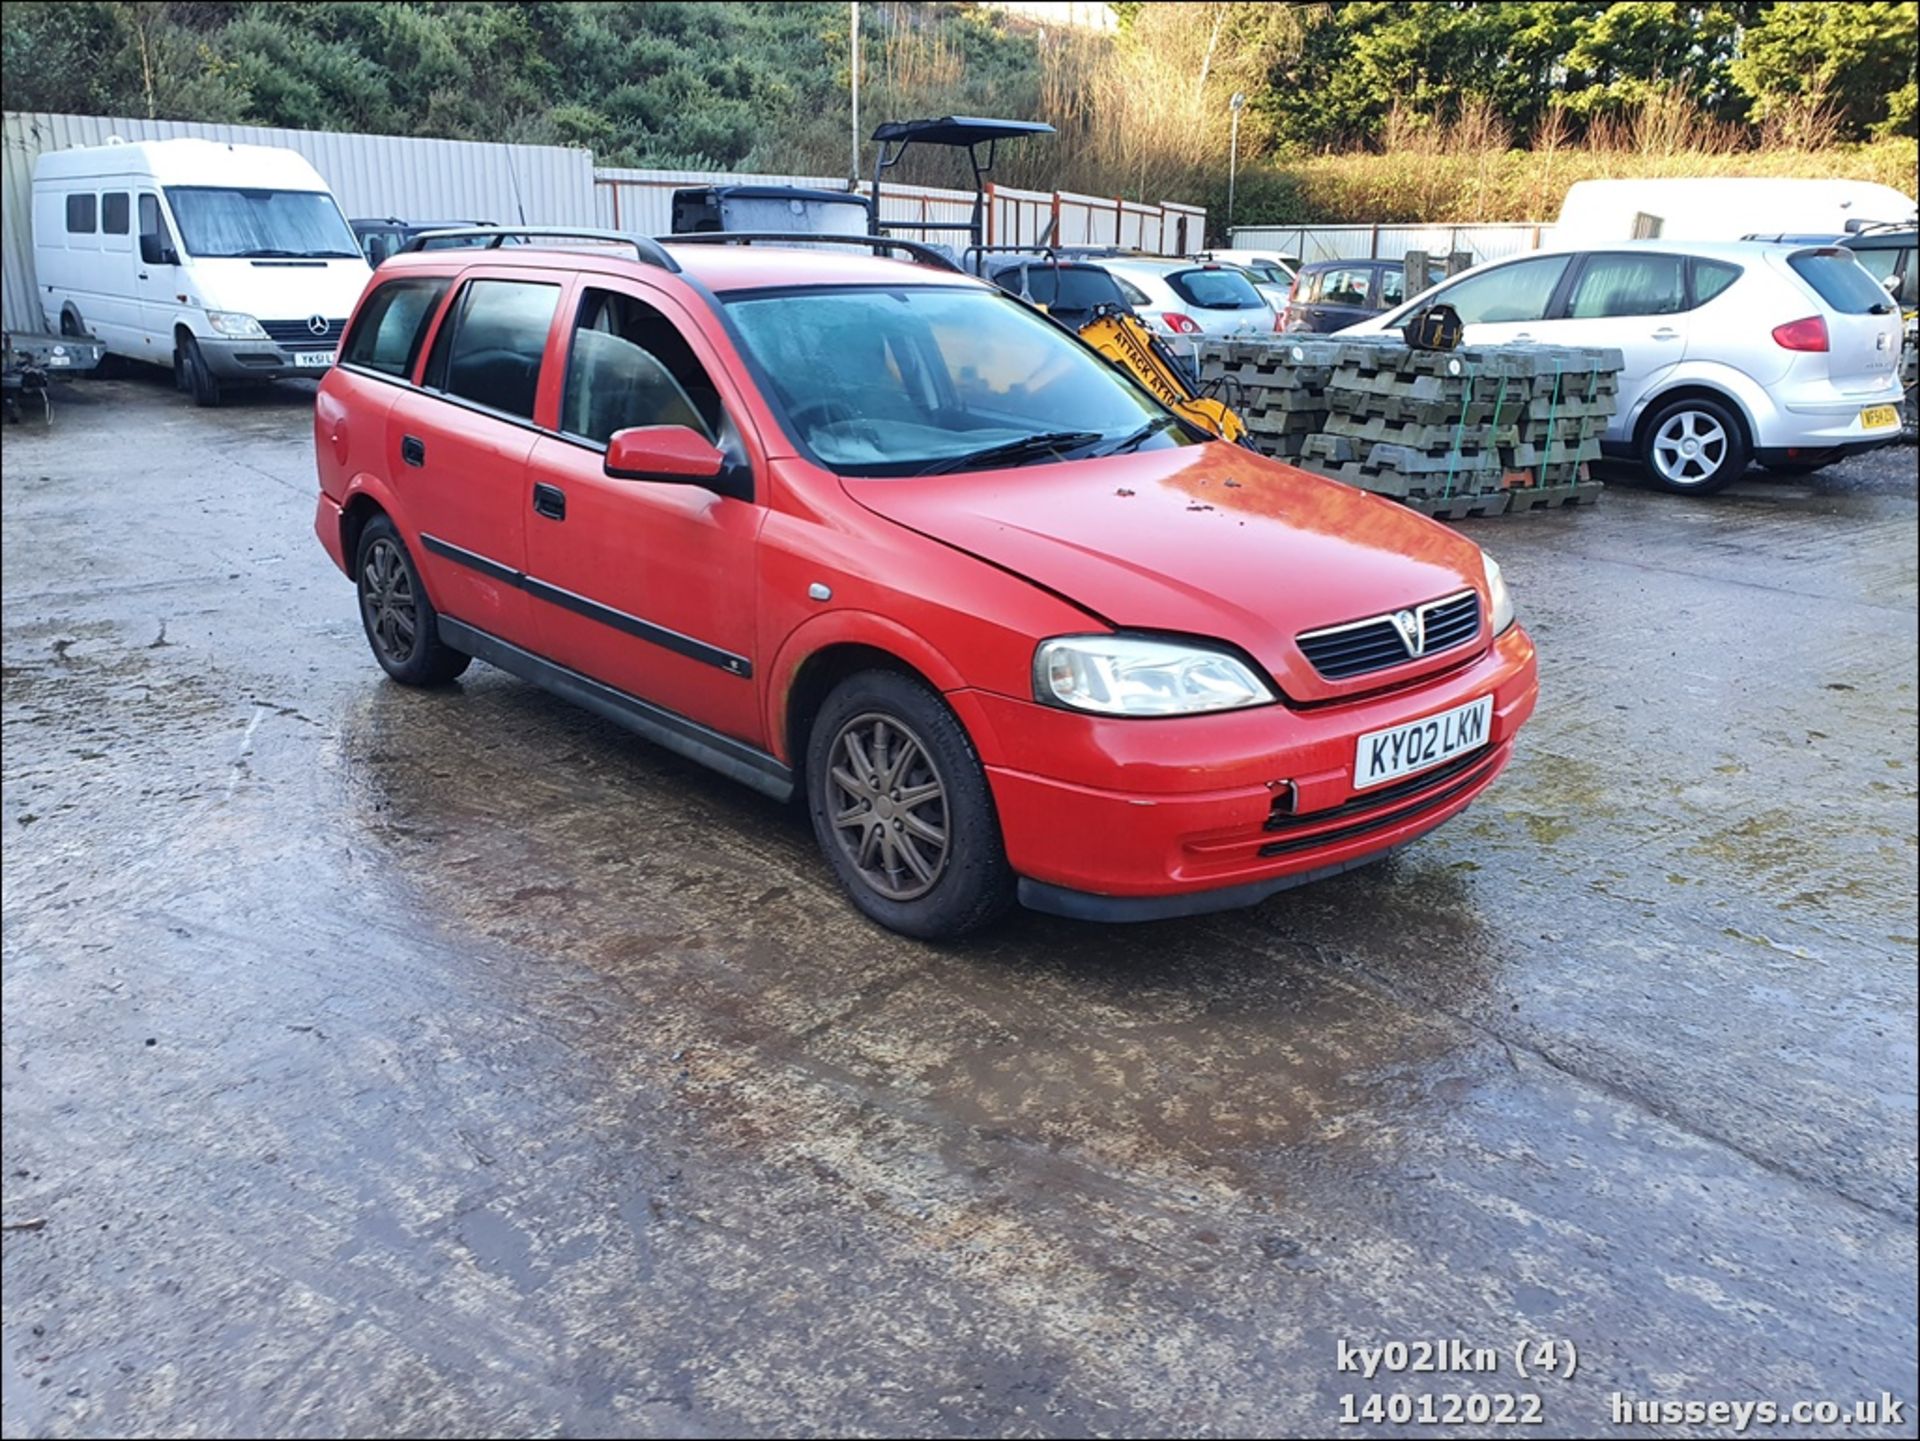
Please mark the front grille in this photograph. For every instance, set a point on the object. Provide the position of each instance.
(1369, 645)
(300, 333)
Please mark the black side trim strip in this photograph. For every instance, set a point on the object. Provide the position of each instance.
(632, 625)
(733, 758)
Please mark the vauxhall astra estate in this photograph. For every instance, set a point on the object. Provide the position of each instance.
(875, 534)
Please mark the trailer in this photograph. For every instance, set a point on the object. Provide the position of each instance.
(31, 363)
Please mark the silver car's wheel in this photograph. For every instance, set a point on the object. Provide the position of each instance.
(1694, 445)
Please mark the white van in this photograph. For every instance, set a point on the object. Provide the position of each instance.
(230, 263)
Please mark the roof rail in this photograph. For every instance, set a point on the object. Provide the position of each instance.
(913, 249)
(647, 252)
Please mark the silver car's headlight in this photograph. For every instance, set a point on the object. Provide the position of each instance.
(1498, 593)
(235, 326)
(1127, 675)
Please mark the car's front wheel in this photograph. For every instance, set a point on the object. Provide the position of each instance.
(901, 808)
(401, 624)
(1694, 446)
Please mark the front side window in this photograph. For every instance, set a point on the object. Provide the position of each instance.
(1346, 287)
(1215, 289)
(1614, 285)
(629, 365)
(391, 326)
(877, 381)
(488, 351)
(1520, 291)
(113, 213)
(217, 222)
(80, 215)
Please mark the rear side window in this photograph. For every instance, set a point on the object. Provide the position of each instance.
(113, 213)
(490, 350)
(80, 213)
(629, 365)
(1519, 291)
(1710, 277)
(1613, 285)
(1136, 297)
(1215, 289)
(1837, 278)
(391, 326)
(1347, 287)
(1393, 288)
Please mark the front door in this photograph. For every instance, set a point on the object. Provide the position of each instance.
(646, 586)
(1636, 302)
(159, 281)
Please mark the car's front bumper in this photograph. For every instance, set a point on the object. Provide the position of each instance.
(239, 360)
(1134, 819)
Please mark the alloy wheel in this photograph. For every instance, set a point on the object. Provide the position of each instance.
(1690, 448)
(386, 596)
(888, 805)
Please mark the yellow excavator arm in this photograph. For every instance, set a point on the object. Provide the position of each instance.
(1122, 338)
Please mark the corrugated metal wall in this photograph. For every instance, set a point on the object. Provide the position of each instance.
(1391, 242)
(370, 174)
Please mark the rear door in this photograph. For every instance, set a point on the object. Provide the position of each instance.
(457, 447)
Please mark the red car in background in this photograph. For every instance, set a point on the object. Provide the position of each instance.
(875, 533)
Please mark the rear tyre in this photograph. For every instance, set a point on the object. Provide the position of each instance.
(1694, 446)
(401, 624)
(902, 811)
(192, 374)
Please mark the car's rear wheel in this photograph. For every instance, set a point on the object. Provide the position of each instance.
(401, 624)
(902, 811)
(192, 374)
(1694, 446)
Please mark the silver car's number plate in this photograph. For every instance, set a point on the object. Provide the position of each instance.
(1404, 750)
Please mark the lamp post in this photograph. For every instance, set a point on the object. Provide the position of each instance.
(853, 34)
(1236, 105)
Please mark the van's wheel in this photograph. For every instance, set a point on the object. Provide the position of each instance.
(401, 624)
(901, 808)
(191, 374)
(70, 325)
(1694, 446)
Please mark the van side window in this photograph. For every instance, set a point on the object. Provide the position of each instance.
(392, 325)
(113, 213)
(80, 215)
(488, 350)
(629, 365)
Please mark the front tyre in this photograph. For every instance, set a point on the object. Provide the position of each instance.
(1694, 446)
(401, 624)
(901, 809)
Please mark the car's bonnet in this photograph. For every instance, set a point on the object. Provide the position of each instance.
(1205, 540)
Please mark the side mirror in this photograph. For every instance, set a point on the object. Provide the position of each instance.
(671, 453)
(154, 250)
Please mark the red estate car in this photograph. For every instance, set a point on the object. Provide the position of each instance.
(876, 533)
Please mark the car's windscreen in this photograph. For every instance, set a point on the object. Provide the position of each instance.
(217, 222)
(1215, 289)
(1837, 278)
(1068, 287)
(908, 381)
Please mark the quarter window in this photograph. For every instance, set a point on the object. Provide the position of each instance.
(393, 324)
(80, 215)
(113, 213)
(1519, 291)
(1710, 277)
(629, 365)
(1630, 285)
(489, 350)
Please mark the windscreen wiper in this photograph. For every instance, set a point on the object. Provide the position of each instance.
(264, 254)
(1012, 452)
(1139, 437)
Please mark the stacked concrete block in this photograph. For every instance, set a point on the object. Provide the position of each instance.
(1451, 433)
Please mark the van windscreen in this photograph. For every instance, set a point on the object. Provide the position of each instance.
(219, 222)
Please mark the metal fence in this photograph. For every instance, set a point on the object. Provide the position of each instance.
(372, 175)
(1392, 242)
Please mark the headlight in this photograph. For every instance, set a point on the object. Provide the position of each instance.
(235, 326)
(1138, 676)
(1498, 593)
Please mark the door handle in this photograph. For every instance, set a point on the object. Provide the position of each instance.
(550, 501)
(143, 275)
(413, 450)
(1665, 334)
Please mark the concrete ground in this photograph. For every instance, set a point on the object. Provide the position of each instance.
(453, 1063)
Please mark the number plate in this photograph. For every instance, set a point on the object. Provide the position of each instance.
(1404, 750)
(313, 359)
(59, 357)
(1878, 417)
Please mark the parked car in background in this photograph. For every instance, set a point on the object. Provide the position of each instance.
(1186, 299)
(879, 536)
(1272, 275)
(230, 263)
(1330, 295)
(1886, 250)
(1068, 289)
(1734, 351)
(382, 238)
